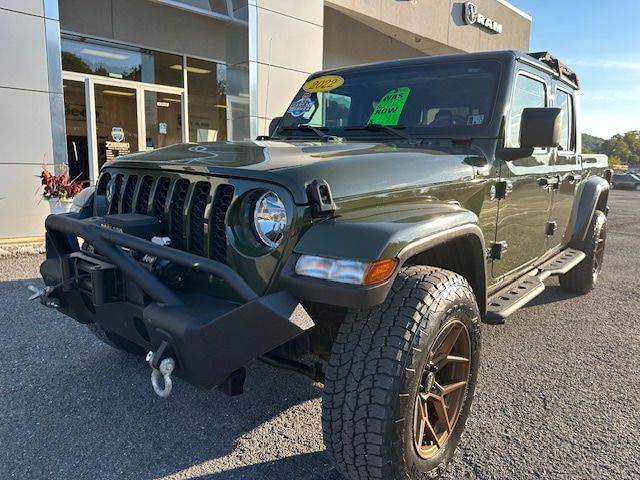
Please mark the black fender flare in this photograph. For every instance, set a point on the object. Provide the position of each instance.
(369, 236)
(592, 195)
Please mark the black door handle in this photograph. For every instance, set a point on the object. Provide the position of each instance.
(549, 182)
(573, 178)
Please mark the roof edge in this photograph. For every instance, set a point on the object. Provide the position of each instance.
(515, 9)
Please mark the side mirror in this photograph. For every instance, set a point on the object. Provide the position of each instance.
(273, 125)
(540, 127)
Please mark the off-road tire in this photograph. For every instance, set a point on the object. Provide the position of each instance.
(376, 367)
(584, 277)
(115, 341)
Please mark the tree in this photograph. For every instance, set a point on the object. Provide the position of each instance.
(622, 148)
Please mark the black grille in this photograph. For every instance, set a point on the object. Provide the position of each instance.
(193, 213)
(129, 189)
(197, 219)
(115, 200)
(142, 205)
(177, 213)
(221, 202)
(160, 200)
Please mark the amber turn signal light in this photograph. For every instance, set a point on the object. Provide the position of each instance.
(379, 271)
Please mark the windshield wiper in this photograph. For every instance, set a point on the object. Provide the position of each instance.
(376, 127)
(305, 127)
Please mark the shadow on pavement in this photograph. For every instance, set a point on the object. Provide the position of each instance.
(317, 463)
(551, 294)
(74, 408)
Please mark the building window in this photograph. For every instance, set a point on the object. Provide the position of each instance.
(215, 6)
(106, 60)
(206, 89)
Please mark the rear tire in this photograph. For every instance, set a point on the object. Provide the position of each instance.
(584, 277)
(115, 341)
(380, 415)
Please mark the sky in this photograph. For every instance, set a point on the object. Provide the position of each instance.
(600, 41)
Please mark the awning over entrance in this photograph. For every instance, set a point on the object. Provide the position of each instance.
(440, 26)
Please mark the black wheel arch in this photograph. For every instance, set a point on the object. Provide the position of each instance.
(460, 250)
(592, 195)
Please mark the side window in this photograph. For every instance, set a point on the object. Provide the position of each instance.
(333, 112)
(564, 102)
(529, 93)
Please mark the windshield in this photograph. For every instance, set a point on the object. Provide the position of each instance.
(430, 100)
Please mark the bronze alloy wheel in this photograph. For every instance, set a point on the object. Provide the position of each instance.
(443, 388)
(598, 256)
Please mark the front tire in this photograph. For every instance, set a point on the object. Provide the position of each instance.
(584, 277)
(401, 378)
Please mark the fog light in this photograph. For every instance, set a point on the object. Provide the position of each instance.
(353, 272)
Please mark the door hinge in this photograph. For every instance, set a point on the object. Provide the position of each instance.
(497, 250)
(551, 228)
(501, 190)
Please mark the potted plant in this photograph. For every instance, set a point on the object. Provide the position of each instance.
(59, 190)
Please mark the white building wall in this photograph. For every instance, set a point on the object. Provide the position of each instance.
(30, 90)
(366, 44)
(285, 47)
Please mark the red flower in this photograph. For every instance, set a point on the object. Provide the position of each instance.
(59, 185)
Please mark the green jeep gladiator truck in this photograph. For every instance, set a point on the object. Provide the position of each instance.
(393, 208)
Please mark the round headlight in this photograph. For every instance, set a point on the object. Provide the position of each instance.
(270, 219)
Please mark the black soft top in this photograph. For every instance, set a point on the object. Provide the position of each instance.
(544, 61)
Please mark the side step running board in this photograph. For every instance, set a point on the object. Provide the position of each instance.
(516, 295)
(561, 263)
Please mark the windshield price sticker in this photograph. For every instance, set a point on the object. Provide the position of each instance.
(390, 107)
(323, 84)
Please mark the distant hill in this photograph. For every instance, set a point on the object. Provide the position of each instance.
(592, 142)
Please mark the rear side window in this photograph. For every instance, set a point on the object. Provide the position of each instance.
(529, 93)
(564, 102)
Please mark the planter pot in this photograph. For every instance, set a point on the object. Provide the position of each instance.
(58, 205)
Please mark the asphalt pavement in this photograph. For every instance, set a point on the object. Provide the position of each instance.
(558, 394)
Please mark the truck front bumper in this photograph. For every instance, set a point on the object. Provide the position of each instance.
(209, 338)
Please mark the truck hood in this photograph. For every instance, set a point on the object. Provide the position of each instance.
(350, 168)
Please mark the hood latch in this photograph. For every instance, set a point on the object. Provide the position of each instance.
(320, 198)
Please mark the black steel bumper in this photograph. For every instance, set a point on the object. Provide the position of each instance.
(208, 337)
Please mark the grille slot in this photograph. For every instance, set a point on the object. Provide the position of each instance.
(142, 205)
(160, 200)
(127, 197)
(221, 202)
(115, 201)
(177, 220)
(197, 218)
(193, 211)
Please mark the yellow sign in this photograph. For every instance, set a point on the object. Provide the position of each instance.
(323, 84)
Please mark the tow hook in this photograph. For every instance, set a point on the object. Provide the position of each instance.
(166, 367)
(43, 295)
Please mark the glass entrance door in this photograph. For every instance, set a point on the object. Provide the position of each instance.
(75, 116)
(107, 118)
(116, 121)
(162, 119)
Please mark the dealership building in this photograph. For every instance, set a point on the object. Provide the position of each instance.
(83, 81)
